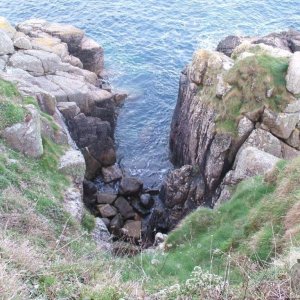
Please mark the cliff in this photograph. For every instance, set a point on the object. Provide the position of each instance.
(235, 117)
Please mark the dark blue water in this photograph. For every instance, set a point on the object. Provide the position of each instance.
(147, 43)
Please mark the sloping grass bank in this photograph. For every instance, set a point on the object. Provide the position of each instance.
(259, 224)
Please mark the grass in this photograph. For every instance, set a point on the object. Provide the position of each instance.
(252, 225)
(251, 79)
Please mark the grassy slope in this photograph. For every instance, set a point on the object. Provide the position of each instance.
(257, 224)
(44, 253)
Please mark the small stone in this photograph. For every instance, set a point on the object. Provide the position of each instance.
(132, 229)
(124, 208)
(105, 198)
(130, 186)
(112, 173)
(107, 211)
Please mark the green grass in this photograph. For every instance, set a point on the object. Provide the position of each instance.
(10, 114)
(251, 224)
(250, 79)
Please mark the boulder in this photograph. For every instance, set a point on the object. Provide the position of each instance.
(251, 162)
(293, 74)
(105, 198)
(53, 131)
(116, 224)
(47, 103)
(124, 208)
(132, 229)
(280, 124)
(93, 166)
(26, 137)
(103, 151)
(6, 44)
(245, 127)
(73, 202)
(130, 186)
(72, 163)
(90, 54)
(264, 141)
(111, 173)
(107, 211)
(22, 41)
(228, 44)
(27, 62)
(68, 109)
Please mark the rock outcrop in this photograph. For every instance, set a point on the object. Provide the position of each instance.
(57, 69)
(236, 116)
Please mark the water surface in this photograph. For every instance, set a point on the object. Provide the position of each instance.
(147, 43)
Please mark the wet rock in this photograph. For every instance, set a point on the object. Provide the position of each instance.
(147, 201)
(124, 208)
(107, 211)
(132, 229)
(68, 109)
(6, 44)
(116, 224)
(119, 98)
(130, 186)
(72, 163)
(293, 74)
(26, 136)
(104, 198)
(111, 173)
(228, 44)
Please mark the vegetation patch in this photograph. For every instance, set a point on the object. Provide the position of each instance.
(250, 229)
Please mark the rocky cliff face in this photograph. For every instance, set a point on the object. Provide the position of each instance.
(57, 69)
(237, 114)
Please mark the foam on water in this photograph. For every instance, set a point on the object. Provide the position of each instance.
(147, 43)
